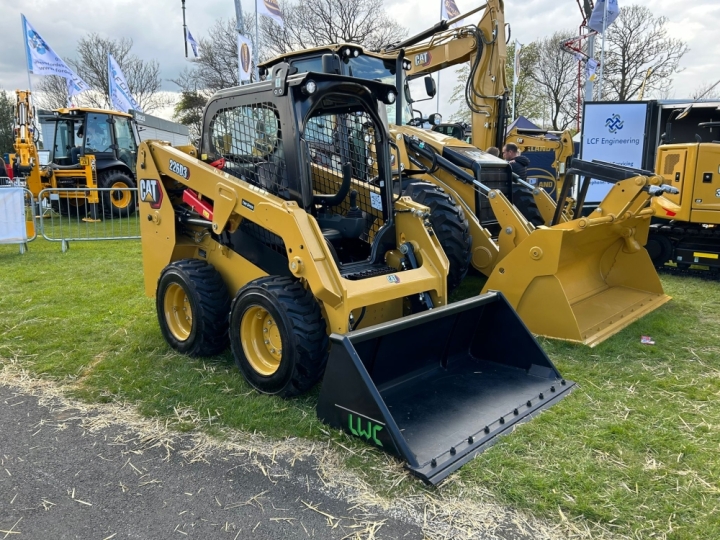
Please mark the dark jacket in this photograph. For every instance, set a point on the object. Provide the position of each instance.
(519, 166)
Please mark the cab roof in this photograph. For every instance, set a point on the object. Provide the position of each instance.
(75, 110)
(334, 47)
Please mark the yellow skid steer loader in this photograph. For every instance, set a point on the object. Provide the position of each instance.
(284, 237)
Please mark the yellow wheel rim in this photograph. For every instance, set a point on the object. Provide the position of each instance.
(178, 313)
(120, 199)
(261, 340)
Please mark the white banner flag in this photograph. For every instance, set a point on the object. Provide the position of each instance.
(591, 68)
(193, 44)
(42, 60)
(120, 97)
(449, 10)
(270, 8)
(12, 216)
(516, 63)
(598, 12)
(245, 57)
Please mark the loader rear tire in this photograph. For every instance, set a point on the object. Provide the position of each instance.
(192, 305)
(122, 200)
(278, 336)
(450, 226)
(523, 200)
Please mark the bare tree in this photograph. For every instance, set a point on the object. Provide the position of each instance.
(143, 77)
(217, 66)
(640, 51)
(555, 74)
(706, 90)
(528, 98)
(527, 95)
(307, 24)
(52, 92)
(314, 23)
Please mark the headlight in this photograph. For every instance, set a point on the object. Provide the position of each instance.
(356, 53)
(391, 97)
(346, 52)
(310, 87)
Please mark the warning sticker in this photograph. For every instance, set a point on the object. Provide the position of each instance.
(376, 201)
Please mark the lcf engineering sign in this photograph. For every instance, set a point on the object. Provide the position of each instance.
(613, 132)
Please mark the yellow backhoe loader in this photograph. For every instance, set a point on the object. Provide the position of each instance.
(89, 148)
(595, 269)
(286, 236)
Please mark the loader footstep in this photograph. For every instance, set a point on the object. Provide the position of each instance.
(368, 272)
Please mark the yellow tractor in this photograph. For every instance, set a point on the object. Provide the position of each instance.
(592, 273)
(690, 234)
(87, 148)
(286, 237)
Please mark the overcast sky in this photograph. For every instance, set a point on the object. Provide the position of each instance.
(155, 27)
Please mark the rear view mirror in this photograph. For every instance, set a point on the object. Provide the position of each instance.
(331, 64)
(430, 86)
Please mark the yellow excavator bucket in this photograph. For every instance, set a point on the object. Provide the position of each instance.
(586, 279)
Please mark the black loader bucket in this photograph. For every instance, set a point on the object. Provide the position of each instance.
(436, 388)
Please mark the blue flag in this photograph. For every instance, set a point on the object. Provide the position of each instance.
(120, 97)
(42, 60)
(193, 44)
(598, 13)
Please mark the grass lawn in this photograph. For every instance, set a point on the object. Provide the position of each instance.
(633, 451)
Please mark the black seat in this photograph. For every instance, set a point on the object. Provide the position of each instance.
(332, 235)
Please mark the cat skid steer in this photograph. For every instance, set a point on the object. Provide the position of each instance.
(283, 237)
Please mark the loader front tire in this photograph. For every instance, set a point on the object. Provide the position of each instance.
(192, 305)
(278, 336)
(523, 200)
(450, 226)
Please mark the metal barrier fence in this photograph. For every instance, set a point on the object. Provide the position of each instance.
(18, 225)
(80, 214)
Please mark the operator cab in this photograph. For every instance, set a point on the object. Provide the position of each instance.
(75, 133)
(339, 171)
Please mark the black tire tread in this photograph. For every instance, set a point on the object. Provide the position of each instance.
(450, 226)
(212, 307)
(105, 181)
(523, 200)
(309, 330)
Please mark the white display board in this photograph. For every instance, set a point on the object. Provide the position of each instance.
(613, 132)
(12, 216)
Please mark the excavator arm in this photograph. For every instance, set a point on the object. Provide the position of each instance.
(25, 160)
(483, 46)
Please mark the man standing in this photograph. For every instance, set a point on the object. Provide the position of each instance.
(518, 163)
